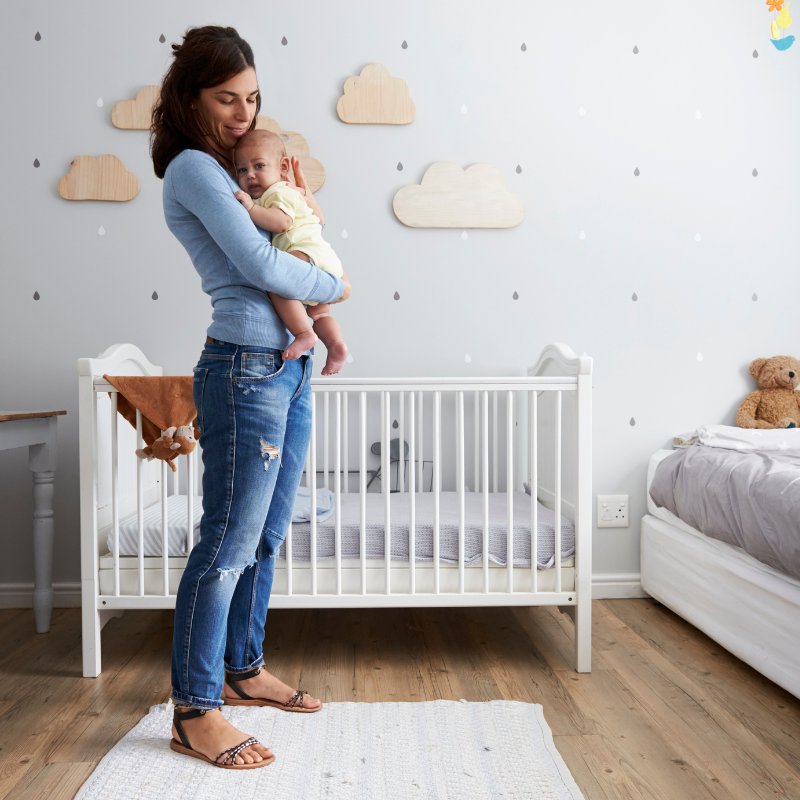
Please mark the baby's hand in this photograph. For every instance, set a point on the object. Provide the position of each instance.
(244, 199)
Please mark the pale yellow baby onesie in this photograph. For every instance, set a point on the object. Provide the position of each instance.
(305, 234)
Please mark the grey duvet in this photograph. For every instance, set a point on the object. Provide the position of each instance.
(750, 500)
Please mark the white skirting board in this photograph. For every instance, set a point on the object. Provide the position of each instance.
(68, 595)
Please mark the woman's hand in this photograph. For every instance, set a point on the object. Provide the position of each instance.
(347, 289)
(244, 199)
(302, 187)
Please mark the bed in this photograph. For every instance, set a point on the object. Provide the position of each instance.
(750, 607)
(459, 498)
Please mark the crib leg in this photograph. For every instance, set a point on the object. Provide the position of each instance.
(91, 625)
(583, 634)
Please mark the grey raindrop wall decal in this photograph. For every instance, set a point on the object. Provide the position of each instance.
(524, 47)
(754, 297)
(36, 163)
(284, 41)
(36, 295)
(636, 172)
(632, 422)
(515, 296)
(755, 172)
(396, 296)
(518, 170)
(38, 36)
(162, 39)
(154, 295)
(635, 50)
(755, 53)
(634, 297)
(399, 166)
(395, 425)
(404, 45)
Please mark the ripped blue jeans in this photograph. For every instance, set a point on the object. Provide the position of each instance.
(254, 415)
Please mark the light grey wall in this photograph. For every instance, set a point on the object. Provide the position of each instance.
(455, 295)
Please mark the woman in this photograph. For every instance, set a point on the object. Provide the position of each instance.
(253, 408)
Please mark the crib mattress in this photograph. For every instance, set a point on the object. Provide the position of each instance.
(399, 517)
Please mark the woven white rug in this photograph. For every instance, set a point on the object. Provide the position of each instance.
(440, 750)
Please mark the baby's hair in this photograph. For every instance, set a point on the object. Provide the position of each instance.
(266, 138)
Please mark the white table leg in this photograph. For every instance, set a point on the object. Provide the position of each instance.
(43, 549)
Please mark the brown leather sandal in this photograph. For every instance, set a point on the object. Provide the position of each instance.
(295, 703)
(229, 755)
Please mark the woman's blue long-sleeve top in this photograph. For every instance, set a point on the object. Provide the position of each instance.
(236, 260)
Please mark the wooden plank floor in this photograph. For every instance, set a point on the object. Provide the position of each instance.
(666, 714)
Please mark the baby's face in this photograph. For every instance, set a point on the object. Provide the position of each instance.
(257, 168)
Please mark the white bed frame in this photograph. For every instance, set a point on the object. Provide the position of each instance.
(547, 418)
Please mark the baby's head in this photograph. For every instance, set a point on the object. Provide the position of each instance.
(260, 160)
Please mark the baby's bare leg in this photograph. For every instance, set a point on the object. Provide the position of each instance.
(294, 317)
(329, 332)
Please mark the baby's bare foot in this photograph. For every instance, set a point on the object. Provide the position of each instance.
(304, 341)
(211, 734)
(337, 353)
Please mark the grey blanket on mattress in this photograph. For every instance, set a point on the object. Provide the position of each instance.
(747, 499)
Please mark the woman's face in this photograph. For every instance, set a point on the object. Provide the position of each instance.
(228, 109)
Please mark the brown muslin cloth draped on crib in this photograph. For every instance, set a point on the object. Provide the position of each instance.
(165, 402)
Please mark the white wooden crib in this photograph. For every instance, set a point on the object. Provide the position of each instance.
(467, 438)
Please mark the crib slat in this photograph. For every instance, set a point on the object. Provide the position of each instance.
(421, 455)
(437, 442)
(115, 489)
(140, 502)
(461, 473)
(412, 549)
(486, 492)
(510, 488)
(401, 465)
(345, 447)
(338, 495)
(313, 460)
(288, 552)
(164, 528)
(476, 440)
(189, 503)
(362, 546)
(494, 441)
(533, 482)
(557, 426)
(325, 438)
(386, 486)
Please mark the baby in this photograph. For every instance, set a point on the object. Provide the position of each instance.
(262, 170)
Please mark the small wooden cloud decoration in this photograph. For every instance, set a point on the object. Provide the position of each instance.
(296, 145)
(376, 98)
(136, 114)
(451, 197)
(103, 178)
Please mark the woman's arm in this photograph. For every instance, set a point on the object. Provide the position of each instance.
(201, 186)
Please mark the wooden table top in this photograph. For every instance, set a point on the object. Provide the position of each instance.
(30, 415)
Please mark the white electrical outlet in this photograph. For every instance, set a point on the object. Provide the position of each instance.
(612, 511)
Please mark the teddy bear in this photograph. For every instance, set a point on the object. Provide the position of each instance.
(174, 442)
(775, 404)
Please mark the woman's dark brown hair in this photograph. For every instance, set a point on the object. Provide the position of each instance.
(207, 57)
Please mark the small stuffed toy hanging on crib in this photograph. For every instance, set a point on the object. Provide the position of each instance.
(172, 443)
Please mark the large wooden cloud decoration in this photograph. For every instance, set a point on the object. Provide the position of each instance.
(136, 114)
(376, 98)
(103, 178)
(451, 197)
(296, 145)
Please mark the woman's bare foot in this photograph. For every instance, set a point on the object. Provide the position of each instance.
(302, 342)
(265, 686)
(211, 734)
(337, 353)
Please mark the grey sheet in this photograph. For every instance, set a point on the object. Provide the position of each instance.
(750, 500)
(448, 530)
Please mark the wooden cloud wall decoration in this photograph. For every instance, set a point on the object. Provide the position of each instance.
(376, 98)
(136, 114)
(295, 145)
(103, 178)
(451, 197)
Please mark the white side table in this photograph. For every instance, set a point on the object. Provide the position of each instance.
(37, 431)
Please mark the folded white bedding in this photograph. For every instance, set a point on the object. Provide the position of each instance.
(730, 437)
